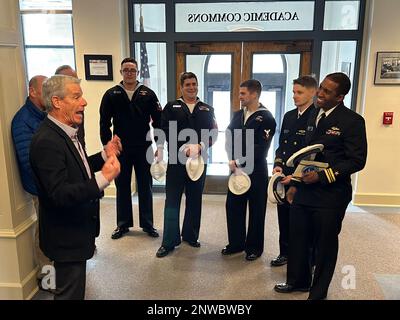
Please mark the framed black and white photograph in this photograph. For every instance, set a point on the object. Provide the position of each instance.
(387, 69)
(98, 67)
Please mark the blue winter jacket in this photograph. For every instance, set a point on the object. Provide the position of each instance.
(24, 124)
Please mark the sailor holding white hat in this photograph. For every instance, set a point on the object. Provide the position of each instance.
(321, 198)
(187, 112)
(248, 187)
(291, 139)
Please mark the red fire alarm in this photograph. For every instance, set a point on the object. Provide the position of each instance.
(388, 118)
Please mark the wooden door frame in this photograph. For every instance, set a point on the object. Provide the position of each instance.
(304, 48)
(233, 48)
(242, 53)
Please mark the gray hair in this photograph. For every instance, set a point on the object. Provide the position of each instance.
(60, 69)
(55, 86)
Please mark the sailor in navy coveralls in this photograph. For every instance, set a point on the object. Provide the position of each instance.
(256, 120)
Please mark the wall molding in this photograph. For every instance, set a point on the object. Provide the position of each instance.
(20, 229)
(26, 289)
(377, 199)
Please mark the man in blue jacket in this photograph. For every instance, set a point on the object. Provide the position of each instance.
(24, 125)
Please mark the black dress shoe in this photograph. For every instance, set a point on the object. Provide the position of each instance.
(151, 232)
(194, 244)
(287, 288)
(279, 261)
(163, 251)
(252, 256)
(119, 232)
(227, 251)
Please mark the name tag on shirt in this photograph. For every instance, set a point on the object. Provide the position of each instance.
(177, 106)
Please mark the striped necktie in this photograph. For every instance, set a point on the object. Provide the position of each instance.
(78, 146)
(321, 119)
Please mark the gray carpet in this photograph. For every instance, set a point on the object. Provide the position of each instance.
(368, 266)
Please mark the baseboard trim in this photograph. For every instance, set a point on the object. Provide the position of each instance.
(376, 199)
(26, 289)
(15, 233)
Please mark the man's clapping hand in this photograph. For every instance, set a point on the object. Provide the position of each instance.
(113, 147)
(111, 168)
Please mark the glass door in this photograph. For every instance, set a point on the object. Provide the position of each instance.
(221, 67)
(218, 68)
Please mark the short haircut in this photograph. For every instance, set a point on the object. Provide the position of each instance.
(186, 75)
(55, 86)
(33, 83)
(342, 80)
(129, 60)
(252, 85)
(306, 81)
(60, 69)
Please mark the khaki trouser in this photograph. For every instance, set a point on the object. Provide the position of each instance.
(41, 259)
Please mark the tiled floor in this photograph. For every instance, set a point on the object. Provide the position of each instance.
(368, 266)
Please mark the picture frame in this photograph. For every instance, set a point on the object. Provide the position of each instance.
(387, 70)
(98, 67)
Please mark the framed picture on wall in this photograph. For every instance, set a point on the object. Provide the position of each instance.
(98, 67)
(387, 70)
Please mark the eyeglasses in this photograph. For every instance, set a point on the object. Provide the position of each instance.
(129, 71)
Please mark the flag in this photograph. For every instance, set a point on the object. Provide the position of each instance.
(144, 61)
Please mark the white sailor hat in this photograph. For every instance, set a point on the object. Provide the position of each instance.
(158, 170)
(307, 153)
(276, 190)
(195, 168)
(239, 182)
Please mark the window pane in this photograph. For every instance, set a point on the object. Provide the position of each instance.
(153, 17)
(267, 63)
(339, 56)
(268, 99)
(47, 29)
(214, 76)
(341, 15)
(219, 63)
(45, 4)
(196, 63)
(46, 61)
(276, 73)
(221, 103)
(156, 78)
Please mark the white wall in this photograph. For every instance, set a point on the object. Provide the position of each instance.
(100, 27)
(379, 182)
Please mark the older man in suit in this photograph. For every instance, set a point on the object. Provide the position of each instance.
(68, 187)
